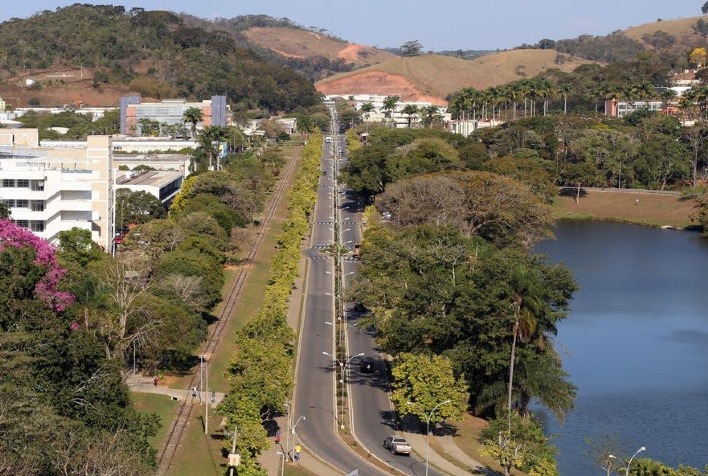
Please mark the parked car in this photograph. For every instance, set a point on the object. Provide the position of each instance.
(397, 445)
(368, 365)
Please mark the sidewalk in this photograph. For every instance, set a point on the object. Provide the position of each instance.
(272, 459)
(142, 384)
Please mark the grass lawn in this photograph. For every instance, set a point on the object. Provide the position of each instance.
(197, 453)
(650, 209)
(162, 405)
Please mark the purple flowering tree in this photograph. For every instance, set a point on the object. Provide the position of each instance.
(46, 288)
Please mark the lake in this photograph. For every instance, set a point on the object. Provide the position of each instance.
(635, 344)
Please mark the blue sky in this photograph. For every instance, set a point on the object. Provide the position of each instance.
(438, 25)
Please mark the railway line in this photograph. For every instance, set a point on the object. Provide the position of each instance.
(169, 448)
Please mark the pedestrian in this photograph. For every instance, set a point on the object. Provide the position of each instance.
(194, 392)
(298, 448)
(277, 437)
(154, 380)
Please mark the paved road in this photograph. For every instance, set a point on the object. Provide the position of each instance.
(315, 387)
(372, 414)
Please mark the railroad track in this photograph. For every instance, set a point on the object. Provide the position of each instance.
(179, 424)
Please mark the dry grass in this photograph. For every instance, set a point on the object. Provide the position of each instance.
(680, 28)
(437, 76)
(467, 439)
(296, 43)
(650, 209)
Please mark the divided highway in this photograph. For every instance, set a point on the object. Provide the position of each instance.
(371, 418)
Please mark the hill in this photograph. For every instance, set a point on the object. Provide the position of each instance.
(682, 30)
(298, 43)
(94, 54)
(433, 77)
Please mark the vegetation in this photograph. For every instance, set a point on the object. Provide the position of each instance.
(260, 371)
(154, 53)
(449, 276)
(79, 125)
(63, 405)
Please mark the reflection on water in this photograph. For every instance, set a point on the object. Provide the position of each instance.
(636, 344)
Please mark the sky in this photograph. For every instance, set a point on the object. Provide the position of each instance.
(437, 25)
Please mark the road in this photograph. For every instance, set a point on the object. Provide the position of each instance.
(315, 387)
(371, 418)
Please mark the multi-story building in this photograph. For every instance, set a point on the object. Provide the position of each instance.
(50, 190)
(215, 112)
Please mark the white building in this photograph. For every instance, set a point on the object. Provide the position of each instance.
(162, 184)
(132, 145)
(379, 115)
(50, 190)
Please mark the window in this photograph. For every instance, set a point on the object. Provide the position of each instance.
(23, 183)
(22, 223)
(37, 185)
(36, 225)
(37, 205)
(8, 183)
(9, 202)
(22, 203)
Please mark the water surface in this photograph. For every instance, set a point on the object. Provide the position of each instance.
(636, 343)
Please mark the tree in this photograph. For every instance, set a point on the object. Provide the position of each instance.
(4, 211)
(389, 105)
(192, 115)
(430, 115)
(149, 127)
(704, 8)
(367, 108)
(137, 207)
(520, 444)
(411, 48)
(410, 110)
(695, 137)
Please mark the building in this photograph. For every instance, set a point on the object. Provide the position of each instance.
(395, 117)
(50, 190)
(133, 145)
(215, 112)
(163, 184)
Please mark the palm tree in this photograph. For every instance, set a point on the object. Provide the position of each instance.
(367, 108)
(564, 89)
(192, 115)
(410, 110)
(526, 304)
(389, 105)
(430, 114)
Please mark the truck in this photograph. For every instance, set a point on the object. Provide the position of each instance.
(397, 445)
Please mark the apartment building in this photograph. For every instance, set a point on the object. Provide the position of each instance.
(215, 112)
(50, 190)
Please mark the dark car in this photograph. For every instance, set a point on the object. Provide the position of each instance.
(368, 365)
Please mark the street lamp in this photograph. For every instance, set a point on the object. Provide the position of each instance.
(427, 430)
(302, 417)
(343, 369)
(629, 463)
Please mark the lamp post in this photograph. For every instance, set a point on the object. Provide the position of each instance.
(233, 456)
(629, 463)
(292, 430)
(343, 369)
(427, 430)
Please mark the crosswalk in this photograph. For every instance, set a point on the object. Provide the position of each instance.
(346, 259)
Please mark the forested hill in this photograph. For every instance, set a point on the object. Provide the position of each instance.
(153, 53)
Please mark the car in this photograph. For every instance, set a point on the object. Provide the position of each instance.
(397, 445)
(367, 365)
